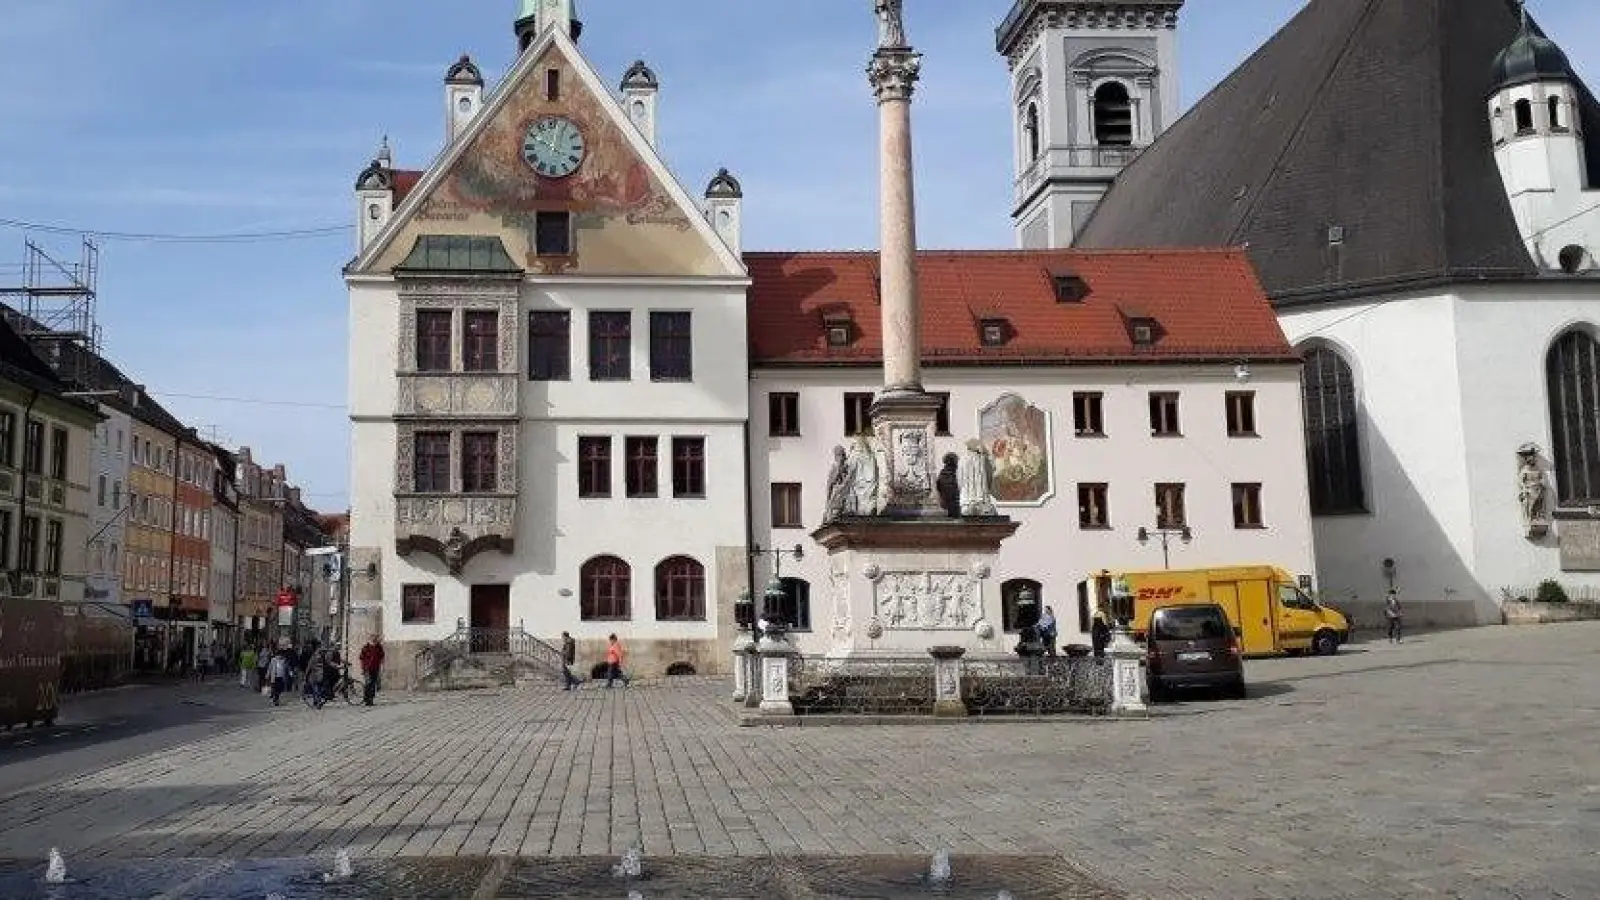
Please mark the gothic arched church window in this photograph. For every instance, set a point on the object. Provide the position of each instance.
(605, 589)
(1030, 131)
(680, 590)
(1113, 115)
(1572, 379)
(1333, 433)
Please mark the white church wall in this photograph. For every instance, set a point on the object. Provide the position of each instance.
(1050, 547)
(1404, 356)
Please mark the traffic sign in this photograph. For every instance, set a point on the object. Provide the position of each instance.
(286, 598)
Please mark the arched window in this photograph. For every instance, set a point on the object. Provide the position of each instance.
(1555, 113)
(796, 608)
(1030, 131)
(1524, 111)
(1113, 115)
(1333, 433)
(680, 590)
(1010, 592)
(1572, 378)
(112, 562)
(605, 585)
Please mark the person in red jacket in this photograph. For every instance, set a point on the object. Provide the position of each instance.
(371, 668)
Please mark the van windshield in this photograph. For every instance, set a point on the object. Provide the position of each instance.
(1189, 624)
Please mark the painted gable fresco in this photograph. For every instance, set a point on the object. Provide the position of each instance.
(625, 221)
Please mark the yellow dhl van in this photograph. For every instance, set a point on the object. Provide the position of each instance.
(1272, 614)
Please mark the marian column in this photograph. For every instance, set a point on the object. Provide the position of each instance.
(903, 415)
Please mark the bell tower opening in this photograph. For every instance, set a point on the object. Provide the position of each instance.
(1113, 115)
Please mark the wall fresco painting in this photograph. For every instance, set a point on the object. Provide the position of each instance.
(1017, 436)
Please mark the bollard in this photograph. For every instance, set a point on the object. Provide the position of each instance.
(741, 668)
(1127, 679)
(947, 701)
(776, 652)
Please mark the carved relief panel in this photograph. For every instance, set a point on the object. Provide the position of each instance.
(928, 601)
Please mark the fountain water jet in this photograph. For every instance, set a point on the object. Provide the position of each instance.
(632, 865)
(56, 871)
(939, 869)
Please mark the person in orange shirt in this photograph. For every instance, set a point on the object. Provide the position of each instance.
(614, 657)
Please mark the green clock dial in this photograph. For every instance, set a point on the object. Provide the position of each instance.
(553, 146)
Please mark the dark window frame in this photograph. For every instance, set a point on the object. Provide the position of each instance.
(1572, 387)
(641, 467)
(28, 544)
(941, 417)
(432, 341)
(33, 447)
(857, 413)
(1088, 414)
(54, 535)
(550, 345)
(680, 590)
(594, 466)
(417, 604)
(605, 592)
(5, 539)
(1247, 500)
(1239, 411)
(552, 233)
(788, 508)
(8, 438)
(1111, 116)
(430, 468)
(1174, 514)
(1092, 495)
(796, 604)
(60, 439)
(783, 414)
(671, 345)
(688, 467)
(1332, 428)
(480, 346)
(1166, 419)
(480, 462)
(610, 345)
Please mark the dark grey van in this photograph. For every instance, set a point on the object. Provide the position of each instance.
(1193, 647)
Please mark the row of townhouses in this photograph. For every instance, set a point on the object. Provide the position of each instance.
(114, 507)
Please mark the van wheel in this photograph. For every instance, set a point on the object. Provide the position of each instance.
(1326, 643)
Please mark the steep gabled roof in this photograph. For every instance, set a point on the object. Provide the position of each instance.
(1368, 116)
(1206, 304)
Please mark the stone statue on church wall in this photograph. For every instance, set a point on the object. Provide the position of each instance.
(862, 468)
(840, 488)
(1532, 492)
(974, 477)
(891, 24)
(948, 484)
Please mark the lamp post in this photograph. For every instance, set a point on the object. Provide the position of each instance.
(1166, 535)
(773, 597)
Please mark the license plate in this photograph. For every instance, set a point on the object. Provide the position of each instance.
(1195, 655)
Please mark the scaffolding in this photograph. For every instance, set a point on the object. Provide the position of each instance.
(54, 310)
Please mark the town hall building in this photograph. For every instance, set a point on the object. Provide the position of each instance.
(579, 406)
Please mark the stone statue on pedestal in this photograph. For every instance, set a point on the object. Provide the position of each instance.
(891, 24)
(862, 466)
(975, 475)
(840, 487)
(949, 486)
(1532, 491)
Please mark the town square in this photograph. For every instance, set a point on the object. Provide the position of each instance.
(859, 449)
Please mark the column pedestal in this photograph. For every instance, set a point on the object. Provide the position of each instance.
(775, 655)
(1128, 688)
(752, 676)
(741, 668)
(947, 702)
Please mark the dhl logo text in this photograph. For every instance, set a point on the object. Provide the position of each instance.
(1158, 593)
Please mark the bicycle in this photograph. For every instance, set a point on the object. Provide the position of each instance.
(344, 687)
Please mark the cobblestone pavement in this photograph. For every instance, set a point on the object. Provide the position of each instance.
(1459, 764)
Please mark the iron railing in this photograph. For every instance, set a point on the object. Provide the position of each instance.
(905, 686)
(877, 686)
(1047, 686)
(504, 652)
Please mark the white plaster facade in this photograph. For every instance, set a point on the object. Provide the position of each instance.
(1061, 54)
(1539, 148)
(1050, 547)
(108, 470)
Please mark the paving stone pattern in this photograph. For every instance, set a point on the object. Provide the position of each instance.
(1459, 764)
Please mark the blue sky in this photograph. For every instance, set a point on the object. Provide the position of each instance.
(207, 117)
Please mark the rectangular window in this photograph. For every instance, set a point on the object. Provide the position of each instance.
(8, 439)
(432, 463)
(433, 340)
(1088, 419)
(416, 604)
(1092, 509)
(28, 545)
(594, 467)
(5, 539)
(100, 492)
(786, 505)
(671, 346)
(610, 346)
(1164, 414)
(688, 467)
(482, 350)
(552, 234)
(642, 466)
(1169, 506)
(552, 84)
(783, 415)
(1241, 411)
(1247, 506)
(549, 345)
(857, 414)
(480, 458)
(941, 419)
(33, 447)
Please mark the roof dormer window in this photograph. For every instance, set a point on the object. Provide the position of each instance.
(1143, 330)
(1069, 287)
(839, 329)
(993, 330)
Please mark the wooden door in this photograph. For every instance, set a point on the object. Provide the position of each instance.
(491, 618)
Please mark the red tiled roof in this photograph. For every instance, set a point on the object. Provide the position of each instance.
(404, 181)
(1207, 303)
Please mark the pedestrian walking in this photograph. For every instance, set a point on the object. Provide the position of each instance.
(1391, 612)
(263, 659)
(247, 665)
(569, 658)
(614, 660)
(371, 669)
(316, 677)
(278, 672)
(1047, 630)
(1100, 631)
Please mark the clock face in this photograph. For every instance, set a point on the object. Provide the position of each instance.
(553, 147)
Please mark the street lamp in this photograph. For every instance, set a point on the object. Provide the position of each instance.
(1165, 534)
(775, 595)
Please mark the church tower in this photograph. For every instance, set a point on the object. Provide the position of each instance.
(537, 15)
(1539, 147)
(1092, 83)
